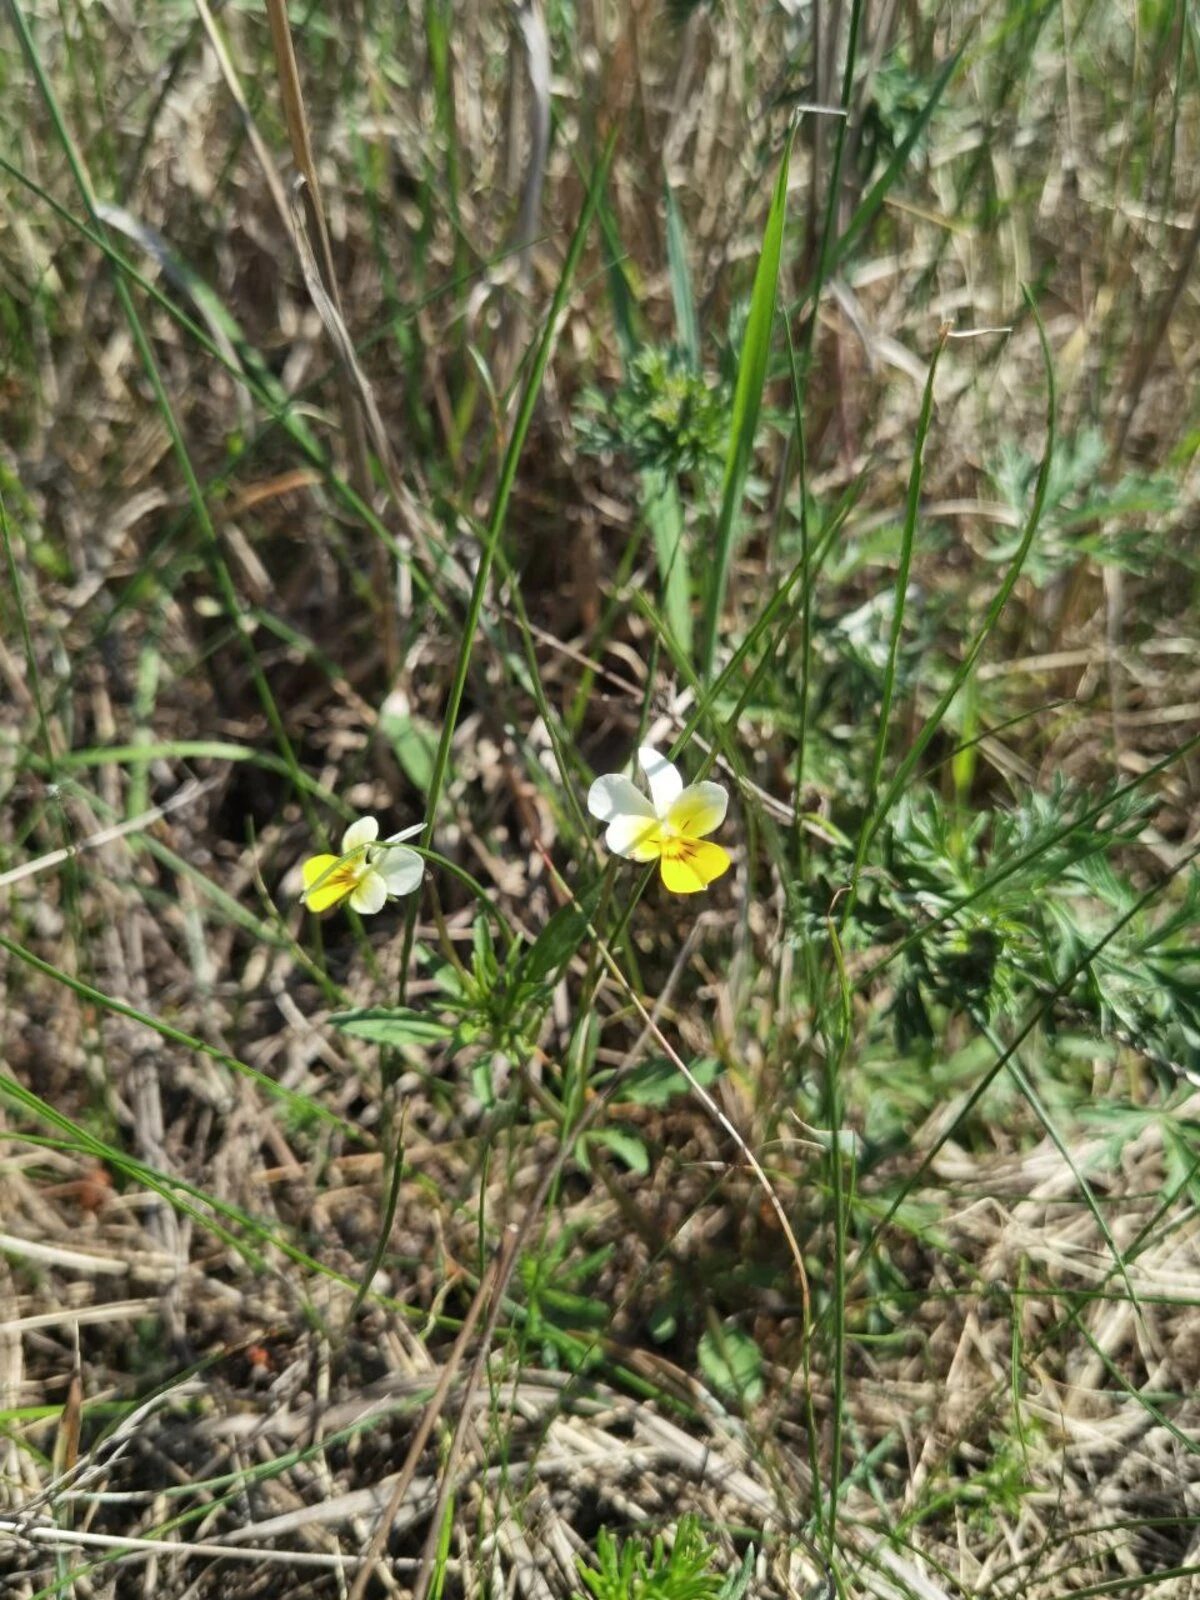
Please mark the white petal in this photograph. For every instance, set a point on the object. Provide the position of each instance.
(665, 783)
(369, 894)
(400, 869)
(614, 796)
(699, 810)
(377, 852)
(364, 831)
(405, 833)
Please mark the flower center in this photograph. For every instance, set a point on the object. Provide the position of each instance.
(675, 847)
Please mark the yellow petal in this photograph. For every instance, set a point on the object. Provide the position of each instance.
(316, 867)
(693, 864)
(699, 810)
(326, 881)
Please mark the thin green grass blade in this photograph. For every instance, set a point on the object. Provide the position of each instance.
(747, 403)
(826, 255)
(1023, 1082)
(967, 665)
(508, 474)
(299, 1104)
(834, 1059)
(16, 589)
(872, 202)
(248, 369)
(806, 603)
(217, 562)
(192, 750)
(185, 1197)
(1183, 1438)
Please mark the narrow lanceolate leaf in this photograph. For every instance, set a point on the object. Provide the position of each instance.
(747, 403)
(391, 1025)
(664, 518)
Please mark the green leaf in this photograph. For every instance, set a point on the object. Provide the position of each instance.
(662, 1323)
(747, 402)
(481, 1082)
(664, 517)
(657, 1082)
(415, 742)
(394, 1025)
(737, 1583)
(559, 939)
(629, 1148)
(732, 1363)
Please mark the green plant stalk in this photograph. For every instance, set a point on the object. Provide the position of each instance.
(805, 605)
(833, 194)
(491, 543)
(35, 677)
(833, 1117)
(907, 540)
(708, 696)
(872, 203)
(1018, 1075)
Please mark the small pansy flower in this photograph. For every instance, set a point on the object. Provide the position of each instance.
(670, 827)
(366, 873)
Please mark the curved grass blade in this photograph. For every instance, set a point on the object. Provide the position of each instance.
(216, 556)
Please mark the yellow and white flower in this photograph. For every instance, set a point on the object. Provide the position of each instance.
(367, 873)
(670, 827)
